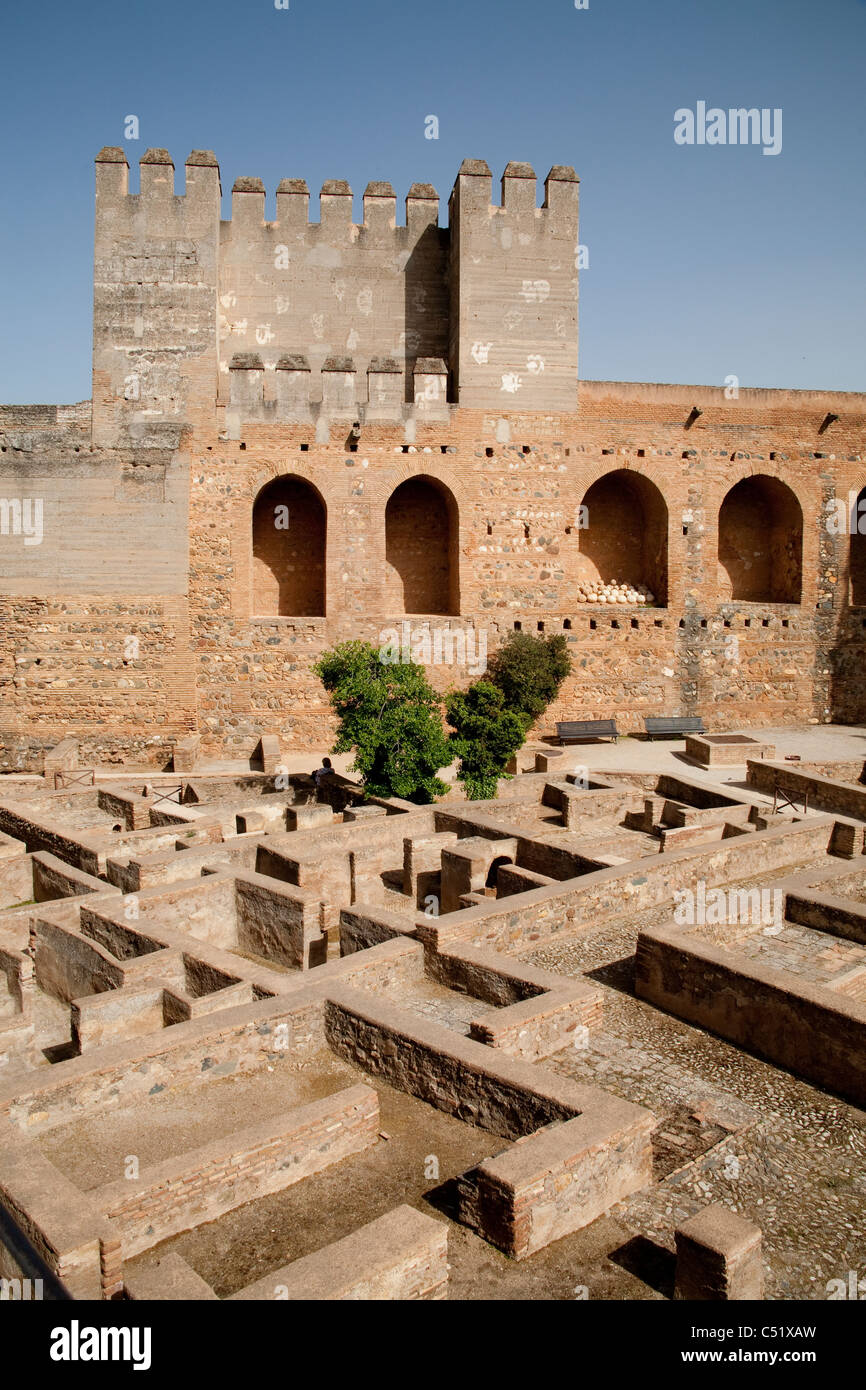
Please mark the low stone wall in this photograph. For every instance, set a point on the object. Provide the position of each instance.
(559, 1180)
(539, 856)
(236, 1041)
(179, 1006)
(403, 1255)
(279, 923)
(116, 1014)
(537, 1027)
(134, 871)
(515, 923)
(18, 969)
(510, 880)
(422, 866)
(203, 1184)
(64, 1224)
(53, 879)
(825, 794)
(68, 966)
(535, 1013)
(132, 811)
(847, 770)
(495, 979)
(41, 834)
(344, 863)
(837, 916)
(558, 1176)
(448, 1071)
(813, 1031)
(726, 750)
(285, 1031)
(362, 927)
(90, 849)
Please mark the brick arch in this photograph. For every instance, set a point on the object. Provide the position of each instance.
(380, 486)
(289, 526)
(422, 525)
(623, 535)
(259, 474)
(653, 472)
(857, 551)
(760, 541)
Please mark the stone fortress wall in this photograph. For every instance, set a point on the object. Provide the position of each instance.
(406, 397)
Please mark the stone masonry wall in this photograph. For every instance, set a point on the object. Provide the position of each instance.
(131, 616)
(199, 1186)
(130, 673)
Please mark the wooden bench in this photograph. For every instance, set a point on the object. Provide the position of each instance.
(574, 729)
(674, 726)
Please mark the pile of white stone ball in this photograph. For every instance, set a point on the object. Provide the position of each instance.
(595, 591)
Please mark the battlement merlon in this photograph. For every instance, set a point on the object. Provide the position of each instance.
(156, 208)
(172, 280)
(472, 192)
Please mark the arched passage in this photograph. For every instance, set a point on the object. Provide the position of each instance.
(624, 535)
(761, 542)
(857, 525)
(421, 554)
(493, 871)
(289, 541)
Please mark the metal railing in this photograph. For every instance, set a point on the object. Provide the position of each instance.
(85, 778)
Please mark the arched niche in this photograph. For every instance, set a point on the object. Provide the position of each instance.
(421, 549)
(761, 542)
(289, 531)
(624, 533)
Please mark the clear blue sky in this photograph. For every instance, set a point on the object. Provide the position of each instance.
(703, 261)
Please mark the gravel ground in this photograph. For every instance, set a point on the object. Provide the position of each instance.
(794, 1160)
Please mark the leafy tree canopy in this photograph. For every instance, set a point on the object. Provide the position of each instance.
(389, 714)
(486, 735)
(530, 671)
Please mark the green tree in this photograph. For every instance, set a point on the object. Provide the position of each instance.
(486, 735)
(530, 671)
(389, 714)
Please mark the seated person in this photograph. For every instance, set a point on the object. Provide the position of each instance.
(324, 772)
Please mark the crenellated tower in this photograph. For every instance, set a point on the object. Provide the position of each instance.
(156, 267)
(295, 320)
(513, 282)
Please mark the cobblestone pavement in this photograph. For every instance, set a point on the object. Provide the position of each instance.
(801, 951)
(424, 996)
(790, 1157)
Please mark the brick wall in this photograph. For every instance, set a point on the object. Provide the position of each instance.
(610, 892)
(207, 661)
(200, 1185)
(816, 1032)
(402, 1255)
(824, 793)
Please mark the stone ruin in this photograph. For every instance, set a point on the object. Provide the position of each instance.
(602, 1037)
(266, 1041)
